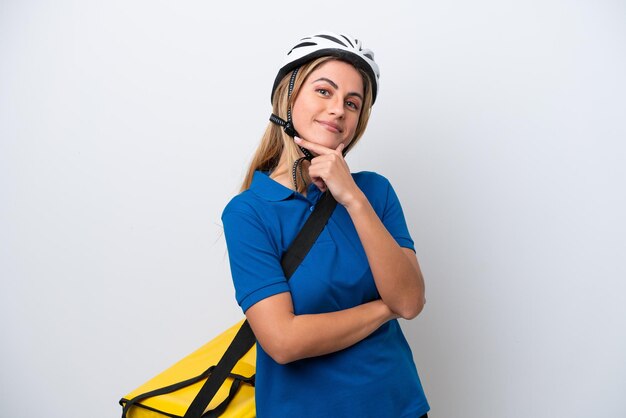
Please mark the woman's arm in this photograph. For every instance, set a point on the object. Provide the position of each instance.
(395, 269)
(263, 293)
(287, 337)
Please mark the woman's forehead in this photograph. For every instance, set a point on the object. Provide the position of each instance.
(342, 74)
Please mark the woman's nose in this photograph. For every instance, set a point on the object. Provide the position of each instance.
(335, 106)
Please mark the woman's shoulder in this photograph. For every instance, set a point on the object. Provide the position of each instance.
(378, 190)
(245, 203)
(370, 181)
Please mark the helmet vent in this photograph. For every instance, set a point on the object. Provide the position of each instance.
(301, 45)
(332, 38)
(347, 40)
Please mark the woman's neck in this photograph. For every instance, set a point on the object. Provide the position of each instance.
(280, 175)
(283, 174)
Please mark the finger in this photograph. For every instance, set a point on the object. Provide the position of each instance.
(311, 146)
(340, 148)
(319, 183)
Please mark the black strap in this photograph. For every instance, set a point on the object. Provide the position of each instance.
(287, 125)
(244, 339)
(291, 131)
(312, 228)
(241, 344)
(237, 378)
(219, 410)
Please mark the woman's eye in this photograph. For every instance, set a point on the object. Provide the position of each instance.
(323, 92)
(352, 105)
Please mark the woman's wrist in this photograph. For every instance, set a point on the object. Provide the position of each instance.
(356, 203)
(386, 313)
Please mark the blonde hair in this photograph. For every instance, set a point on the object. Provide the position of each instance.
(275, 140)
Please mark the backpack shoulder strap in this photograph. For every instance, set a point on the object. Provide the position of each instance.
(244, 340)
(307, 236)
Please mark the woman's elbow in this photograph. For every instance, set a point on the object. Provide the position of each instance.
(411, 310)
(281, 356)
(281, 350)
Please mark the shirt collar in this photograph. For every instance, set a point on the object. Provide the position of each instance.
(269, 189)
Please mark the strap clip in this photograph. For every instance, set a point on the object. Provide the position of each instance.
(289, 129)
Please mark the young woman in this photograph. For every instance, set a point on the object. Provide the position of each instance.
(329, 341)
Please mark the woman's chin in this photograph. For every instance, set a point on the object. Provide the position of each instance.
(328, 141)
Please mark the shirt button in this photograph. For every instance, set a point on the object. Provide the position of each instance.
(311, 208)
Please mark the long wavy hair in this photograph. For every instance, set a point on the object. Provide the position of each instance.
(275, 140)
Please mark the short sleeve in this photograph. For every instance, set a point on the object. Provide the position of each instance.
(254, 259)
(394, 221)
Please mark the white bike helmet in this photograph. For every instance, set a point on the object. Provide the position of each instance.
(325, 44)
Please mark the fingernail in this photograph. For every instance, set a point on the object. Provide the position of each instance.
(296, 139)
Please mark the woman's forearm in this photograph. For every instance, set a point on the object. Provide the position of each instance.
(398, 278)
(287, 337)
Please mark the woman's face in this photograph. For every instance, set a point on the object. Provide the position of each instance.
(327, 108)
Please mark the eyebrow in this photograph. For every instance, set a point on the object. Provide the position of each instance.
(332, 83)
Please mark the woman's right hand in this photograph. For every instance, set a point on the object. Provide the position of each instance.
(329, 171)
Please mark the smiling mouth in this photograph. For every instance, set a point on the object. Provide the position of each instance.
(330, 126)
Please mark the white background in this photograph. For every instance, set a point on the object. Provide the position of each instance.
(125, 127)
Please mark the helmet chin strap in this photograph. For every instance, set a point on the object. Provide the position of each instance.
(288, 124)
(291, 131)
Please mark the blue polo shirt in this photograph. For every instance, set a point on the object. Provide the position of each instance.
(375, 377)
